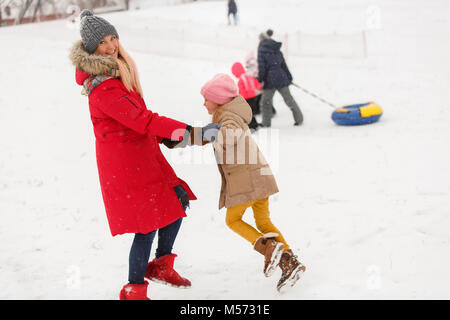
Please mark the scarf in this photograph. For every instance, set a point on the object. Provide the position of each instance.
(93, 80)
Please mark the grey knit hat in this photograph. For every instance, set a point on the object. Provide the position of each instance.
(93, 29)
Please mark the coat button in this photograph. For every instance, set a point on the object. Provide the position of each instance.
(104, 134)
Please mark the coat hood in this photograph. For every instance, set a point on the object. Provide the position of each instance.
(237, 69)
(270, 45)
(238, 106)
(90, 63)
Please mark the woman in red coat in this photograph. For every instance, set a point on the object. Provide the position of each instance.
(141, 191)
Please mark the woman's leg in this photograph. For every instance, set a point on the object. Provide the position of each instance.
(266, 106)
(234, 222)
(161, 268)
(262, 219)
(139, 256)
(292, 104)
(166, 238)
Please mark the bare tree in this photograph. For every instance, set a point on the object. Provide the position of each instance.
(30, 10)
(4, 5)
(91, 4)
(23, 10)
(37, 8)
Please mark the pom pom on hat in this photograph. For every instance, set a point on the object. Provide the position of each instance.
(221, 89)
(85, 13)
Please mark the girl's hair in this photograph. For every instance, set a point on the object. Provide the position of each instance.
(128, 71)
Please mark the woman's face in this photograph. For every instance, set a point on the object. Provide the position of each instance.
(210, 106)
(108, 46)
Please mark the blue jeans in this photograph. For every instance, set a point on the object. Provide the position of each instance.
(142, 245)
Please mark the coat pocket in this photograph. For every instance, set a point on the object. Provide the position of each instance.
(134, 111)
(239, 181)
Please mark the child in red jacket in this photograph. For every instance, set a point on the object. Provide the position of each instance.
(249, 89)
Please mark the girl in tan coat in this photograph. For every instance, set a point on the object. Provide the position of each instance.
(247, 180)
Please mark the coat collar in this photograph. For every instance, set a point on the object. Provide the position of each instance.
(92, 64)
(236, 106)
(270, 45)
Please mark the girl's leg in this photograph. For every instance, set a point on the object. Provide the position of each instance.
(262, 219)
(257, 104)
(234, 222)
(252, 103)
(139, 256)
(166, 238)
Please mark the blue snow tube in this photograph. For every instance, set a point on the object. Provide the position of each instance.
(357, 114)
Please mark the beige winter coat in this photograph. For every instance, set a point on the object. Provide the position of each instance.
(246, 176)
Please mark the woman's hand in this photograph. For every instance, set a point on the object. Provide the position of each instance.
(182, 196)
(195, 136)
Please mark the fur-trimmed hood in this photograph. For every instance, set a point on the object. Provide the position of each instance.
(90, 63)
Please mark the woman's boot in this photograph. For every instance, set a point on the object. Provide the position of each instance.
(134, 292)
(161, 270)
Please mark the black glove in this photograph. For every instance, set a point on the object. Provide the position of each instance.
(178, 144)
(182, 196)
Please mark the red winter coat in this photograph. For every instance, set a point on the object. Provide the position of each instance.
(135, 178)
(249, 86)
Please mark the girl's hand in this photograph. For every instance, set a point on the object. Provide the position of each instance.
(210, 132)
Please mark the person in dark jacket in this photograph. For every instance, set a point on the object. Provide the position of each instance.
(274, 74)
(232, 10)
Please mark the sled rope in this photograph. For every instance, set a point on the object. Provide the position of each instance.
(315, 96)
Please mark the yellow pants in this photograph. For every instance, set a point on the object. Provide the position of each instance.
(262, 221)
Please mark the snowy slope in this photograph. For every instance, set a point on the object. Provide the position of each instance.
(366, 208)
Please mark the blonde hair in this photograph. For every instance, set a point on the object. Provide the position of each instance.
(128, 71)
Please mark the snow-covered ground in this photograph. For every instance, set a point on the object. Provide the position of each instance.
(365, 208)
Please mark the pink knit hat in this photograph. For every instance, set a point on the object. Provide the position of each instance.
(220, 89)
